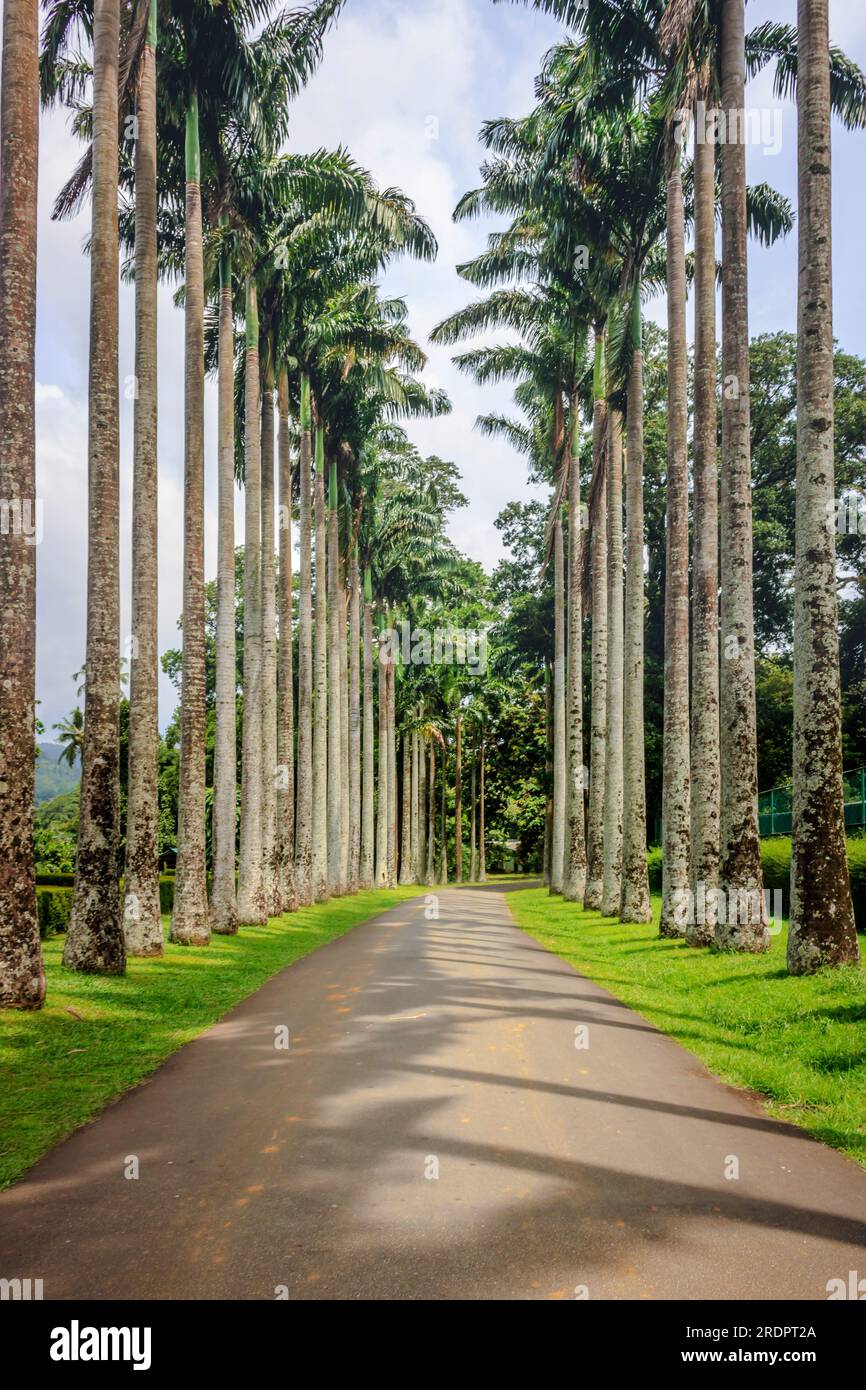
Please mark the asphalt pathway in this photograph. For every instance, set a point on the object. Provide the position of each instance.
(458, 1114)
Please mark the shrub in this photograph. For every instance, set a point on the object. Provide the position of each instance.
(54, 880)
(166, 894)
(54, 908)
(654, 864)
(776, 862)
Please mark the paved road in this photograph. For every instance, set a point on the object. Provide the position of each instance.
(447, 1047)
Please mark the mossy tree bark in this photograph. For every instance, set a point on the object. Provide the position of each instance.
(252, 904)
(635, 904)
(22, 977)
(676, 809)
(95, 939)
(304, 801)
(706, 771)
(740, 872)
(141, 908)
(822, 930)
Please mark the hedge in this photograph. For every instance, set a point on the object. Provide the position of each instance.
(776, 861)
(53, 907)
(54, 900)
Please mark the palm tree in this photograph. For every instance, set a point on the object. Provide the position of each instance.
(286, 726)
(252, 905)
(574, 873)
(335, 757)
(354, 717)
(223, 902)
(382, 787)
(141, 914)
(189, 923)
(22, 978)
(676, 807)
(598, 571)
(635, 903)
(304, 802)
(321, 885)
(365, 871)
(740, 869)
(270, 771)
(822, 930)
(557, 848)
(71, 733)
(613, 789)
(95, 939)
(705, 754)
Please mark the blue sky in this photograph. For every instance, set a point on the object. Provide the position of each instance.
(405, 85)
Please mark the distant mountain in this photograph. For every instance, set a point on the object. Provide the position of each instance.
(53, 778)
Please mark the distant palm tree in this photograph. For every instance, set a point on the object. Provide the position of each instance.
(71, 731)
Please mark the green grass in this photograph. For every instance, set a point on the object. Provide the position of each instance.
(799, 1043)
(99, 1035)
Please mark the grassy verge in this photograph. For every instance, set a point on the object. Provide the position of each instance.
(97, 1036)
(799, 1043)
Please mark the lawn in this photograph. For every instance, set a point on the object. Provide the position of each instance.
(99, 1035)
(799, 1043)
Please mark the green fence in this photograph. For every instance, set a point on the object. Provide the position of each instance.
(774, 807)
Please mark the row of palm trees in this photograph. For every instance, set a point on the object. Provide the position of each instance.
(184, 112)
(600, 187)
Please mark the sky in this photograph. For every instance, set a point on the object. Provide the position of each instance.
(405, 85)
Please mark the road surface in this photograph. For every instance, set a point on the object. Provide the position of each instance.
(432, 1131)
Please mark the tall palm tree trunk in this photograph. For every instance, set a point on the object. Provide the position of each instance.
(223, 906)
(430, 871)
(635, 905)
(355, 809)
(382, 766)
(740, 870)
(286, 724)
(304, 801)
(22, 977)
(473, 822)
(141, 911)
(320, 710)
(574, 872)
(95, 938)
(413, 806)
(368, 773)
(598, 569)
(189, 923)
(822, 928)
(252, 906)
(675, 751)
(557, 842)
(405, 875)
(548, 767)
(390, 688)
(270, 773)
(482, 845)
(443, 824)
(706, 771)
(458, 800)
(422, 810)
(613, 767)
(344, 739)
(335, 758)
